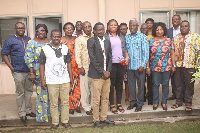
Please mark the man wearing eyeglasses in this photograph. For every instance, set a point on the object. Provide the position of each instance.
(14, 47)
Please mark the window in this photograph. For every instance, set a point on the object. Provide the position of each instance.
(7, 26)
(51, 22)
(158, 16)
(193, 16)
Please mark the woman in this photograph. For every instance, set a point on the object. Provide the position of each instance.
(161, 62)
(119, 53)
(74, 94)
(33, 50)
(123, 30)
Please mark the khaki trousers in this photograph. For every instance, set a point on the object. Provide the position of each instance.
(86, 92)
(101, 89)
(24, 91)
(54, 91)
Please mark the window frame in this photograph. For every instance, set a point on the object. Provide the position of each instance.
(15, 17)
(155, 11)
(47, 16)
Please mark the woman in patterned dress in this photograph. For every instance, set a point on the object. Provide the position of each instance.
(33, 50)
(74, 94)
(161, 63)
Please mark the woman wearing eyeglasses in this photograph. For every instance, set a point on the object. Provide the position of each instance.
(74, 94)
(32, 54)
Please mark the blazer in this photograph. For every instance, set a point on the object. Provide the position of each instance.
(123, 43)
(96, 67)
(170, 33)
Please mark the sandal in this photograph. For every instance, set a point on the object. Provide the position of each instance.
(175, 106)
(113, 109)
(120, 108)
(188, 108)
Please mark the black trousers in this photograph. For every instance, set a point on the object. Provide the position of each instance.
(149, 86)
(184, 75)
(117, 78)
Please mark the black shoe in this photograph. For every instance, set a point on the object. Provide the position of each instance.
(24, 119)
(71, 111)
(171, 98)
(138, 109)
(164, 108)
(108, 122)
(66, 125)
(78, 110)
(131, 106)
(89, 112)
(97, 124)
(31, 114)
(54, 127)
(155, 107)
(150, 103)
(184, 100)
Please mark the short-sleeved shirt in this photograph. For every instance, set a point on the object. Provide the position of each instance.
(186, 49)
(160, 59)
(55, 61)
(15, 47)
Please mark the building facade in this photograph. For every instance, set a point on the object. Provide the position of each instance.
(55, 13)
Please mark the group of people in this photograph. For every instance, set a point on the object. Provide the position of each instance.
(83, 68)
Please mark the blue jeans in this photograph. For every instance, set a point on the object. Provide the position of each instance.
(157, 79)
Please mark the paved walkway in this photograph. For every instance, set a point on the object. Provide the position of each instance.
(9, 116)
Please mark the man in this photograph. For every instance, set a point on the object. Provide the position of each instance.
(15, 47)
(55, 62)
(187, 48)
(172, 32)
(100, 54)
(79, 28)
(82, 59)
(138, 49)
(144, 29)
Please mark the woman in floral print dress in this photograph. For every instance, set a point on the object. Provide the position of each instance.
(33, 50)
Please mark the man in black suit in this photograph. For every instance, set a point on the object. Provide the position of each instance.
(172, 32)
(100, 53)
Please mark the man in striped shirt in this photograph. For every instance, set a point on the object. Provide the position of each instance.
(138, 50)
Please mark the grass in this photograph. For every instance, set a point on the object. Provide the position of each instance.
(187, 126)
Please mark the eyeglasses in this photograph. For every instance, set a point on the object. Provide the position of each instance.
(124, 29)
(69, 28)
(40, 30)
(20, 28)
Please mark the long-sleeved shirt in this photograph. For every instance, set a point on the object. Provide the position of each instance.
(81, 51)
(138, 50)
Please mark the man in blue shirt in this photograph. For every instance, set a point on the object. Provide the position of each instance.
(138, 50)
(15, 47)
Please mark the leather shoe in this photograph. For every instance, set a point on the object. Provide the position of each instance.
(66, 125)
(24, 119)
(131, 106)
(108, 122)
(89, 112)
(97, 124)
(138, 109)
(171, 98)
(31, 114)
